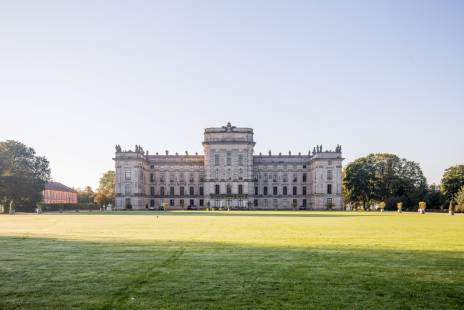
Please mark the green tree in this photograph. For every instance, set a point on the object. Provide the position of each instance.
(106, 190)
(384, 177)
(452, 181)
(434, 197)
(358, 181)
(86, 195)
(23, 175)
(459, 200)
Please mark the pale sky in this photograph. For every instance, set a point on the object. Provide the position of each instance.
(78, 77)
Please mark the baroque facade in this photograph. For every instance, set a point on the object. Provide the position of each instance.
(229, 175)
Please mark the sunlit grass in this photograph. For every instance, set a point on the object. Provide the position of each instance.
(231, 260)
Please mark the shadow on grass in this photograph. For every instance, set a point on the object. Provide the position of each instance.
(44, 273)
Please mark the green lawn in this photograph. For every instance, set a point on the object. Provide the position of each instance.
(229, 260)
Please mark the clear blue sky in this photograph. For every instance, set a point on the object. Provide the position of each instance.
(78, 77)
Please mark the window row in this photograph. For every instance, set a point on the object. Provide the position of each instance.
(228, 161)
(181, 191)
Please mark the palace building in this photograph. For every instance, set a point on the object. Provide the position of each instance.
(229, 175)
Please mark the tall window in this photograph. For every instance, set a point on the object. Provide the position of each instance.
(240, 159)
(240, 174)
(329, 188)
(304, 190)
(201, 190)
(171, 202)
(294, 190)
(274, 177)
(182, 191)
(265, 190)
(171, 191)
(217, 189)
(329, 175)
(256, 190)
(285, 177)
(162, 191)
(128, 175)
(284, 190)
(295, 178)
(304, 177)
(152, 177)
(240, 189)
(216, 174)
(127, 188)
(216, 159)
(229, 158)
(192, 191)
(229, 189)
(274, 190)
(152, 191)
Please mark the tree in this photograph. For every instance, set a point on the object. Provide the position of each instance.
(358, 181)
(434, 197)
(384, 177)
(459, 200)
(106, 190)
(452, 181)
(86, 195)
(23, 175)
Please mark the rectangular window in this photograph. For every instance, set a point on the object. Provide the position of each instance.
(284, 190)
(294, 190)
(274, 190)
(201, 202)
(171, 191)
(329, 201)
(240, 159)
(216, 159)
(127, 189)
(304, 177)
(152, 177)
(192, 191)
(201, 190)
(304, 190)
(255, 202)
(295, 178)
(171, 202)
(162, 191)
(128, 175)
(265, 190)
(152, 191)
(304, 203)
(229, 158)
(182, 193)
(329, 188)
(256, 190)
(240, 189)
(152, 202)
(217, 189)
(329, 175)
(191, 202)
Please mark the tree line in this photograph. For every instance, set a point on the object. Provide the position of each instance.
(23, 176)
(377, 179)
(386, 180)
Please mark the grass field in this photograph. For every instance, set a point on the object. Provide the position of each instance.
(229, 260)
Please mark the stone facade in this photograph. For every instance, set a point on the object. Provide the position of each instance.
(229, 175)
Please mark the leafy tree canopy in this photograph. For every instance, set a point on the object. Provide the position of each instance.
(23, 175)
(383, 177)
(106, 189)
(452, 181)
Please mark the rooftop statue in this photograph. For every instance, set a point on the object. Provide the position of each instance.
(118, 148)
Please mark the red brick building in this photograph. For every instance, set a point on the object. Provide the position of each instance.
(55, 192)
